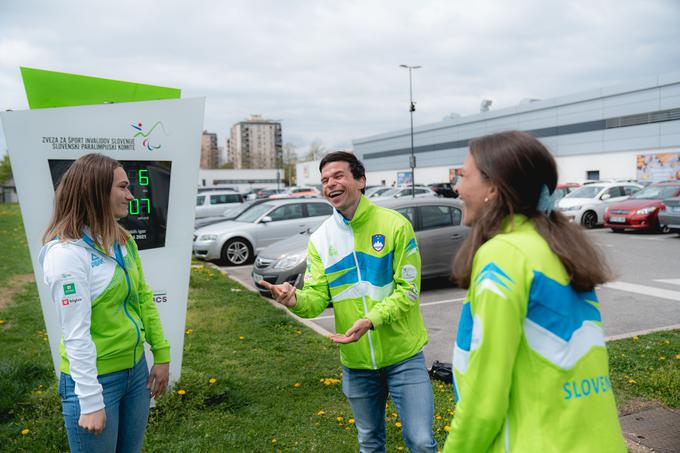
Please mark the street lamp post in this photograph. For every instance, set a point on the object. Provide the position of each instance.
(412, 108)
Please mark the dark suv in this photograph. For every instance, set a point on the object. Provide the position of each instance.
(444, 189)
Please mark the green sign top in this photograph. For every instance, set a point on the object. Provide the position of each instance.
(58, 89)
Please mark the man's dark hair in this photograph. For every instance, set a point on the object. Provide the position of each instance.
(355, 165)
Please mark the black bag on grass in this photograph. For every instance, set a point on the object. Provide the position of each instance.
(441, 371)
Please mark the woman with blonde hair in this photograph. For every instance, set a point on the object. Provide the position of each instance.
(530, 363)
(92, 267)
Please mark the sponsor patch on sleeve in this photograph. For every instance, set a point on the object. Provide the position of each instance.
(409, 272)
(69, 288)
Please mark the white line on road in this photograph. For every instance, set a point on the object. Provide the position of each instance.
(643, 289)
(672, 281)
(423, 304)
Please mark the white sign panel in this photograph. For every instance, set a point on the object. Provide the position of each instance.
(158, 143)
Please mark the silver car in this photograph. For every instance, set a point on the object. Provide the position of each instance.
(237, 241)
(438, 228)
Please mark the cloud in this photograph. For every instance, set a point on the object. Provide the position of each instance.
(331, 70)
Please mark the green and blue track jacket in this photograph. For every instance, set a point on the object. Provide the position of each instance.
(106, 311)
(370, 268)
(530, 364)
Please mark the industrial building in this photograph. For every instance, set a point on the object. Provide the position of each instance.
(629, 131)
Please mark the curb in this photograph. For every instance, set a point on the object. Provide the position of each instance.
(312, 325)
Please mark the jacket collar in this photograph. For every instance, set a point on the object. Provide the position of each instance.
(360, 215)
(516, 222)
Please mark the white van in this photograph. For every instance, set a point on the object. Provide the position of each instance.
(214, 203)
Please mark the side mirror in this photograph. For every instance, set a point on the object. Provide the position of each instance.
(605, 196)
(265, 219)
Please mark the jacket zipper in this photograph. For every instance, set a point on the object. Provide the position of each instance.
(363, 298)
(121, 263)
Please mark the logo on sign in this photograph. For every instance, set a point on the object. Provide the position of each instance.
(160, 297)
(146, 136)
(378, 242)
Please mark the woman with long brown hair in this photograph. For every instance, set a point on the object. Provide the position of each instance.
(92, 267)
(530, 364)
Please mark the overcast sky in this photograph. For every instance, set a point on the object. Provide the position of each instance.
(330, 70)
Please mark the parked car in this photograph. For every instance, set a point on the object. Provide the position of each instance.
(229, 214)
(265, 193)
(444, 189)
(209, 204)
(587, 204)
(297, 192)
(375, 191)
(669, 218)
(438, 228)
(406, 191)
(562, 190)
(236, 242)
(641, 210)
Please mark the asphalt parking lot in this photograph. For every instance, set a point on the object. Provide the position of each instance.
(644, 297)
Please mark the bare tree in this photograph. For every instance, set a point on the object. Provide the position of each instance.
(316, 150)
(290, 159)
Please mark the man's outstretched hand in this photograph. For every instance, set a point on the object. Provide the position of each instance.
(283, 294)
(354, 333)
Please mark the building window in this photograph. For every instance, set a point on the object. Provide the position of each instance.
(592, 175)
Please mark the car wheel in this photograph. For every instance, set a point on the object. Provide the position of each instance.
(237, 251)
(589, 219)
(664, 229)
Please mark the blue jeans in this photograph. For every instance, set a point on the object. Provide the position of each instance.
(411, 390)
(127, 410)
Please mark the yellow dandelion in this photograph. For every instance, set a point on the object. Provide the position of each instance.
(398, 424)
(321, 413)
(2, 321)
(400, 448)
(632, 381)
(447, 428)
(212, 380)
(189, 331)
(241, 338)
(297, 385)
(339, 418)
(677, 356)
(350, 421)
(636, 338)
(181, 392)
(274, 440)
(298, 332)
(394, 414)
(437, 417)
(25, 431)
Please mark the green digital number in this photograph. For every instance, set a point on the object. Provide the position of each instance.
(143, 177)
(139, 204)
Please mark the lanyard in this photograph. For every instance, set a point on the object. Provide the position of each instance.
(116, 248)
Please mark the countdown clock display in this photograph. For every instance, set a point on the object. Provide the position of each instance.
(148, 211)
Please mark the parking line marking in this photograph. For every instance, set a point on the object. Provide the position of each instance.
(645, 290)
(672, 281)
(436, 302)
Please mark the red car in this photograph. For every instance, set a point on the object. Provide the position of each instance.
(562, 190)
(641, 210)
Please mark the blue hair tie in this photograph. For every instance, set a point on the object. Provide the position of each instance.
(546, 201)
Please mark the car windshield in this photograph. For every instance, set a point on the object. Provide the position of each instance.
(251, 215)
(389, 192)
(656, 192)
(585, 192)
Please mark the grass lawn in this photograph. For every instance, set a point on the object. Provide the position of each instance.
(253, 379)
